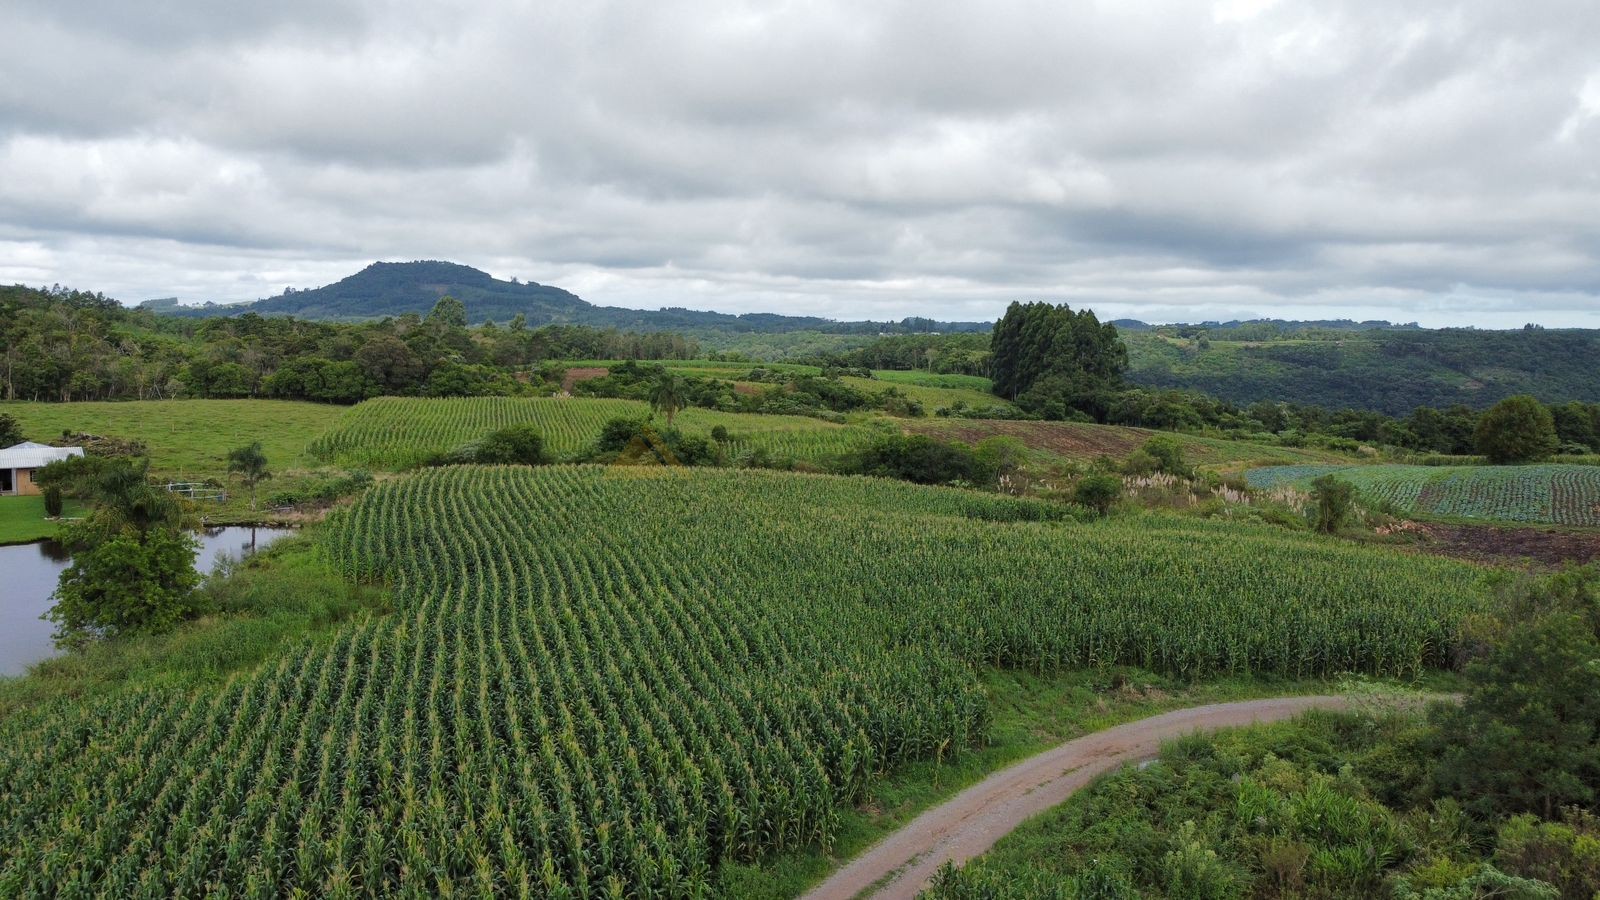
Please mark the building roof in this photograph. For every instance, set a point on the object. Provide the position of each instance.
(28, 455)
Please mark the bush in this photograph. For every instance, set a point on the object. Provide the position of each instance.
(127, 584)
(1335, 502)
(52, 502)
(1565, 854)
(516, 445)
(917, 458)
(1168, 455)
(1098, 492)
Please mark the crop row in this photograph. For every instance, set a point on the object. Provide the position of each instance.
(1550, 494)
(608, 682)
(398, 433)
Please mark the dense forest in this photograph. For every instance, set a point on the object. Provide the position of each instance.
(64, 345)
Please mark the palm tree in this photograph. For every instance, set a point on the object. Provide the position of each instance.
(250, 464)
(667, 396)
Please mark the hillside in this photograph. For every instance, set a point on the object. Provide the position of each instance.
(1386, 370)
(397, 288)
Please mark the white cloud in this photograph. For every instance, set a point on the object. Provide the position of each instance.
(1406, 160)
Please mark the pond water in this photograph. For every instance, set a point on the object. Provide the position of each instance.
(28, 575)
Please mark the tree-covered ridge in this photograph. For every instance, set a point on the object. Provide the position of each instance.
(1385, 370)
(397, 288)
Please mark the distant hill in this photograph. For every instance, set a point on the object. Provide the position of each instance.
(396, 288)
(1391, 370)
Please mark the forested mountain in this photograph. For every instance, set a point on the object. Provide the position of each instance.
(394, 289)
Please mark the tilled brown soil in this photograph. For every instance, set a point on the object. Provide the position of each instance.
(1501, 545)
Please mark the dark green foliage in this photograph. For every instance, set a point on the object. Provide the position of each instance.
(1097, 492)
(10, 431)
(129, 583)
(449, 312)
(719, 433)
(1527, 738)
(1565, 854)
(918, 458)
(1335, 503)
(1035, 340)
(52, 502)
(520, 445)
(667, 396)
(1517, 429)
(1385, 370)
(616, 434)
(1168, 455)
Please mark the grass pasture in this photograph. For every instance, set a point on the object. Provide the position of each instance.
(1551, 494)
(188, 438)
(629, 680)
(397, 433)
(22, 519)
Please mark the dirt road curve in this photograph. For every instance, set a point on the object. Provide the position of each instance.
(970, 822)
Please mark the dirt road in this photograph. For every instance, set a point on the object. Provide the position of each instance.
(970, 822)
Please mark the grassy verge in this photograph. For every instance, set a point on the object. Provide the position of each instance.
(285, 593)
(22, 519)
(1031, 713)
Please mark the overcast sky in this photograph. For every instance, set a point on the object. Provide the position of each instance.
(1172, 161)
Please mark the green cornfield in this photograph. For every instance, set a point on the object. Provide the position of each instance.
(1552, 494)
(401, 432)
(610, 681)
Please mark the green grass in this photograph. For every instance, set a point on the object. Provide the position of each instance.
(931, 397)
(187, 438)
(1554, 494)
(22, 519)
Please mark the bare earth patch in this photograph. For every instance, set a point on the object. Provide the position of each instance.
(573, 376)
(1497, 545)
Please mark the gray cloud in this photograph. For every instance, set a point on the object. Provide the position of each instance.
(1172, 160)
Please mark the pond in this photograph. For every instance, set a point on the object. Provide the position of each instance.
(28, 575)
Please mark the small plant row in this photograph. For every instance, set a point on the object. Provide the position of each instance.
(1555, 494)
(399, 433)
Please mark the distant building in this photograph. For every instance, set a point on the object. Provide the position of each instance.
(17, 464)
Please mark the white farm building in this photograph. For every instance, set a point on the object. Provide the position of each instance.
(18, 463)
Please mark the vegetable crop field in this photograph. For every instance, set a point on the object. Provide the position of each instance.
(1548, 494)
(397, 433)
(609, 681)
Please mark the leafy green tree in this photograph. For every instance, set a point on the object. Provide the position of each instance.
(1098, 492)
(1168, 454)
(130, 583)
(10, 430)
(249, 465)
(666, 395)
(1335, 502)
(1527, 737)
(52, 502)
(1517, 429)
(449, 312)
(392, 365)
(519, 445)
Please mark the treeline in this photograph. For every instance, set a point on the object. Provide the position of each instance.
(64, 345)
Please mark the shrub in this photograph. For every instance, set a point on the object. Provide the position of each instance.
(1565, 854)
(1098, 492)
(127, 584)
(1335, 501)
(52, 502)
(1168, 454)
(520, 445)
